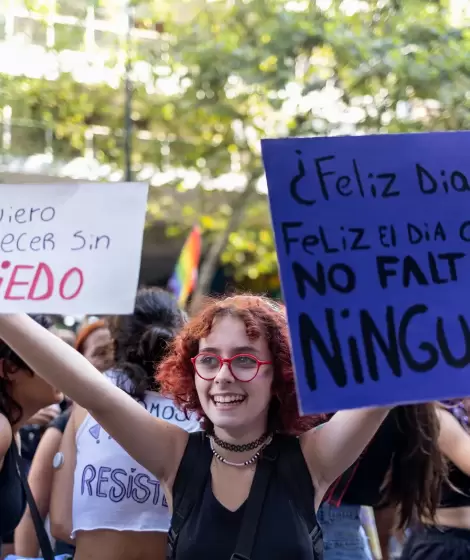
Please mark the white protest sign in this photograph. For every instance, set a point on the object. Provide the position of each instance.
(71, 248)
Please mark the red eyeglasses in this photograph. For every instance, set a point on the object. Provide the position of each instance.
(244, 367)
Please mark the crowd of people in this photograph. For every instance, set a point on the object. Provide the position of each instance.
(161, 436)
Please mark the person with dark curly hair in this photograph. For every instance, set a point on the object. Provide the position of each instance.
(231, 364)
(22, 395)
(103, 501)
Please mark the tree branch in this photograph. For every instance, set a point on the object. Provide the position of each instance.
(211, 262)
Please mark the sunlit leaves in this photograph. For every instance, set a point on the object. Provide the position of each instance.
(227, 73)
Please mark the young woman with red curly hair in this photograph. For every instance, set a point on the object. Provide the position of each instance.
(231, 363)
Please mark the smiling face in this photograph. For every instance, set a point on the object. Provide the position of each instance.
(237, 407)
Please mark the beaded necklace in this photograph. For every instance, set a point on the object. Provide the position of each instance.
(245, 463)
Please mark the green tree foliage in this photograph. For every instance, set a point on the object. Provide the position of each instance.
(226, 73)
(257, 68)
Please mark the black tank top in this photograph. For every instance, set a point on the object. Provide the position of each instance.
(365, 486)
(211, 530)
(12, 497)
(457, 493)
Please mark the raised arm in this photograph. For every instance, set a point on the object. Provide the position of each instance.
(62, 485)
(154, 443)
(333, 447)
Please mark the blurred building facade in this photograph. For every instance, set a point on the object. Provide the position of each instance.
(40, 39)
(44, 38)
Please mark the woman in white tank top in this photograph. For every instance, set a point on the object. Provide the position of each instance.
(103, 501)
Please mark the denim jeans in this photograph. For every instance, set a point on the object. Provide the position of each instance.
(13, 557)
(343, 535)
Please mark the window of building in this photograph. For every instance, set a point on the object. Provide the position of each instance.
(69, 37)
(2, 26)
(31, 31)
(107, 40)
(27, 140)
(75, 8)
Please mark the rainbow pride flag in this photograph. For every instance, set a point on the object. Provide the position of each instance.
(184, 278)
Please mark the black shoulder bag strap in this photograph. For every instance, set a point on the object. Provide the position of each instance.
(43, 539)
(254, 505)
(189, 483)
(295, 472)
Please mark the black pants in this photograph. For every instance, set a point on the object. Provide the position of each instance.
(9, 539)
(437, 543)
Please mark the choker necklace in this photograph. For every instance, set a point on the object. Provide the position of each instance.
(239, 448)
(245, 463)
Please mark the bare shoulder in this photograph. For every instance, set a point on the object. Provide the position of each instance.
(450, 428)
(454, 440)
(180, 440)
(78, 415)
(5, 437)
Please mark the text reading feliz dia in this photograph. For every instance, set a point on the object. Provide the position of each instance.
(328, 183)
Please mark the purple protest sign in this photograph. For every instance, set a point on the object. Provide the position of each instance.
(373, 242)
